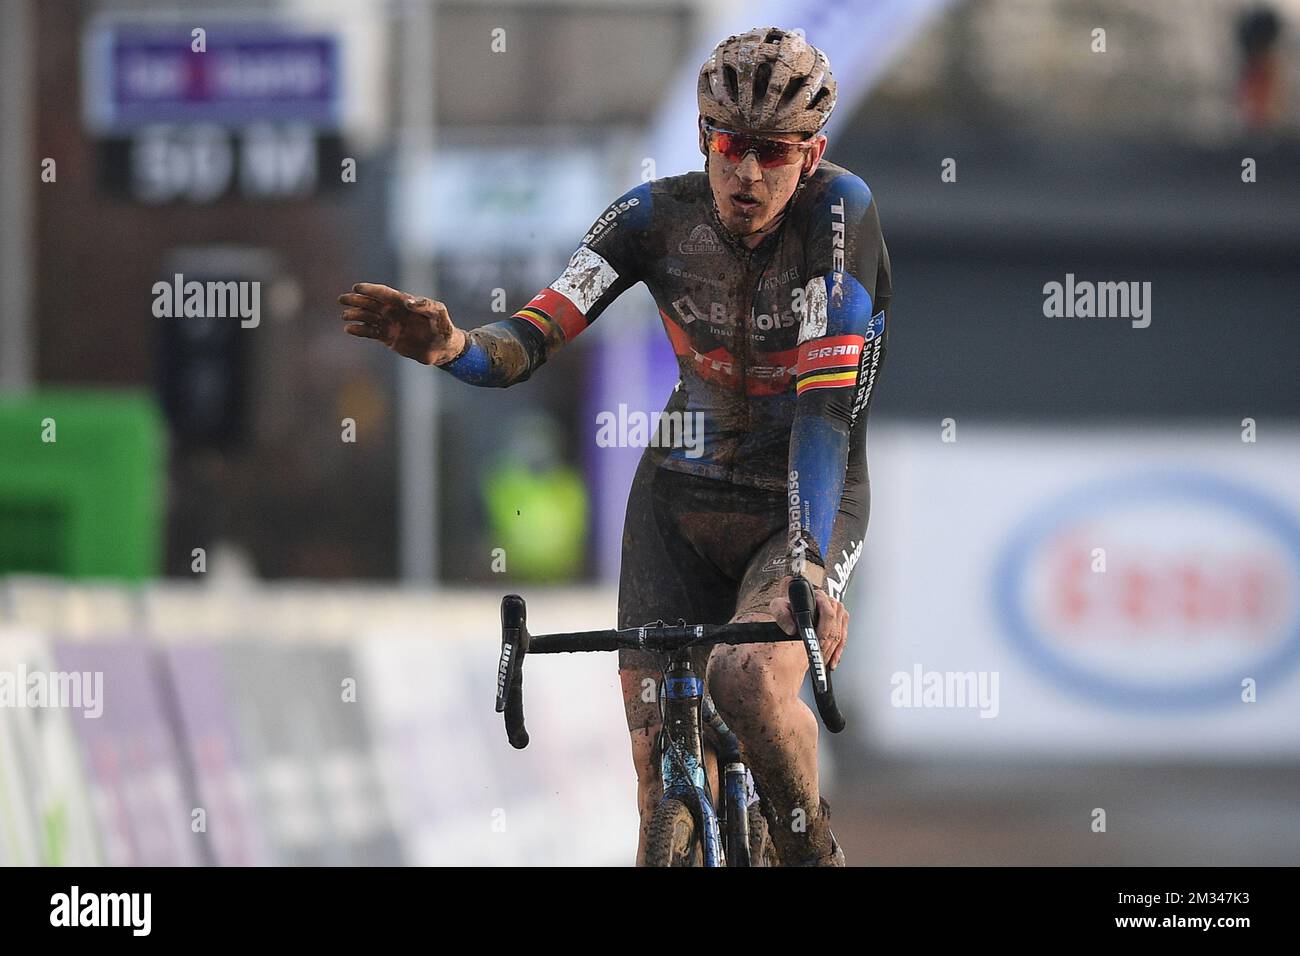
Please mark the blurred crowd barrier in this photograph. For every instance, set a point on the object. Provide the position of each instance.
(182, 725)
(1040, 594)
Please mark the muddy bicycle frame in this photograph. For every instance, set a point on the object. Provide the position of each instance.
(686, 709)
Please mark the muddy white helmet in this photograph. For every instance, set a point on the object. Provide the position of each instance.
(767, 79)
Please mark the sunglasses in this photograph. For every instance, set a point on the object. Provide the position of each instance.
(734, 147)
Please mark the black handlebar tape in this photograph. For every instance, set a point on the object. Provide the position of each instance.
(510, 670)
(657, 638)
(804, 609)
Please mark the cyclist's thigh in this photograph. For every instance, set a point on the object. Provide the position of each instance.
(763, 576)
(665, 577)
(746, 680)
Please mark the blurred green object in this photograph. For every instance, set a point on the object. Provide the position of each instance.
(539, 518)
(81, 484)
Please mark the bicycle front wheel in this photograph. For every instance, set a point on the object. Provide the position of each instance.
(673, 839)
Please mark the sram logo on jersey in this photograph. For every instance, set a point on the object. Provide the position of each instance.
(834, 350)
(607, 218)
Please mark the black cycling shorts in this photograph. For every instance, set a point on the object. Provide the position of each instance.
(708, 550)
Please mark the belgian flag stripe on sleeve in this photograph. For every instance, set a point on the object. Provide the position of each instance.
(539, 319)
(548, 307)
(829, 362)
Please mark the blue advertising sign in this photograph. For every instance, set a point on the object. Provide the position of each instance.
(139, 74)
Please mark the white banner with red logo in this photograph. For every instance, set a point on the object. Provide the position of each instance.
(1095, 592)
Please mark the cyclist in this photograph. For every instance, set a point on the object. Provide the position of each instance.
(772, 280)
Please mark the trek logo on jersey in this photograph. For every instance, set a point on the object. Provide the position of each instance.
(836, 291)
(608, 217)
(837, 237)
(715, 365)
(703, 240)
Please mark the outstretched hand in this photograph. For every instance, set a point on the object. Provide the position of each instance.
(413, 326)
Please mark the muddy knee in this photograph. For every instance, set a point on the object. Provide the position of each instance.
(745, 686)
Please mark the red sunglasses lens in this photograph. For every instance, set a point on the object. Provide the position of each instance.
(769, 152)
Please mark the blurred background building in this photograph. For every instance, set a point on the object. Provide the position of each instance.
(461, 150)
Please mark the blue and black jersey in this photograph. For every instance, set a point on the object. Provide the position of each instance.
(778, 347)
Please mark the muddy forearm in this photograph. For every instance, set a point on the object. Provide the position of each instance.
(498, 355)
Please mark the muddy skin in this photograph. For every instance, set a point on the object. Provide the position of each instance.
(756, 689)
(506, 352)
(713, 553)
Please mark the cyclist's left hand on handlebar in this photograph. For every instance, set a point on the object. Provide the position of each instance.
(832, 621)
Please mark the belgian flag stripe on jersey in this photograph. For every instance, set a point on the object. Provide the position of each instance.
(550, 308)
(829, 362)
(539, 319)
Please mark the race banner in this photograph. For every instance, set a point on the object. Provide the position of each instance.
(217, 756)
(317, 793)
(1116, 592)
(142, 807)
(45, 815)
(457, 790)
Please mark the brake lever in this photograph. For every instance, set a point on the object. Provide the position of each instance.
(803, 607)
(510, 668)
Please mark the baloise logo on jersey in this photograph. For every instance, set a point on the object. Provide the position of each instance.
(609, 218)
(1161, 591)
